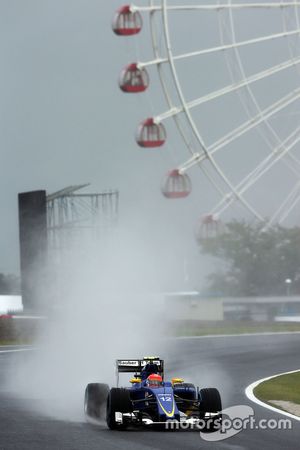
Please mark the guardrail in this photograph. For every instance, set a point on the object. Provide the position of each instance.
(262, 308)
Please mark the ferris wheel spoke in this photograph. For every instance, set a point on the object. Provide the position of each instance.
(262, 116)
(164, 84)
(290, 208)
(265, 165)
(248, 126)
(186, 109)
(229, 89)
(249, 101)
(292, 159)
(129, 21)
(216, 7)
(245, 82)
(283, 149)
(247, 96)
(260, 170)
(221, 48)
(168, 98)
(286, 207)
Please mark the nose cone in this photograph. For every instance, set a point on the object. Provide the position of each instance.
(166, 405)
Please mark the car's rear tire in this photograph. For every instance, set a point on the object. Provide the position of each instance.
(210, 402)
(95, 398)
(118, 400)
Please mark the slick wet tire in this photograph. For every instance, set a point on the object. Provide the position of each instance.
(118, 400)
(95, 400)
(210, 402)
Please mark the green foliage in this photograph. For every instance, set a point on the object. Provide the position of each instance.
(202, 328)
(19, 331)
(254, 262)
(284, 387)
(7, 331)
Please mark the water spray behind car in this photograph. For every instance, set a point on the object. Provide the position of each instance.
(109, 308)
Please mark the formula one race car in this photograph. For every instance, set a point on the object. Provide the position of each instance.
(150, 400)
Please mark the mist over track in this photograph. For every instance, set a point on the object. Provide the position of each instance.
(229, 363)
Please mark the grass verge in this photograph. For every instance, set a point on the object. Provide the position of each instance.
(14, 342)
(199, 328)
(283, 387)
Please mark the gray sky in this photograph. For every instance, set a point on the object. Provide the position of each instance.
(64, 120)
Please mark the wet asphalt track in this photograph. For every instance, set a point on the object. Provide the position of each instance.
(229, 363)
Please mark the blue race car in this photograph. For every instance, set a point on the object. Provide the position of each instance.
(151, 400)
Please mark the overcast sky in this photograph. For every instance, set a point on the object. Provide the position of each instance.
(64, 120)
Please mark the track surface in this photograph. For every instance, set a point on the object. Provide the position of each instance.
(229, 363)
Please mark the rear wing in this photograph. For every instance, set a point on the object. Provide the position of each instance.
(137, 365)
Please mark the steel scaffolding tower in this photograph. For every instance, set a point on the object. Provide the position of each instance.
(79, 226)
(71, 215)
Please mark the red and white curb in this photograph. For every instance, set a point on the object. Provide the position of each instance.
(249, 393)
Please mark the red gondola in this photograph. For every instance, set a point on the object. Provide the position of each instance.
(209, 227)
(150, 134)
(127, 22)
(133, 79)
(208, 219)
(176, 185)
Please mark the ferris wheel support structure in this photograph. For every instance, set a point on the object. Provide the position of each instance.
(180, 109)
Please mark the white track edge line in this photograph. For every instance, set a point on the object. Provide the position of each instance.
(249, 393)
(267, 333)
(15, 350)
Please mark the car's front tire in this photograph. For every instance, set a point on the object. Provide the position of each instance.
(210, 402)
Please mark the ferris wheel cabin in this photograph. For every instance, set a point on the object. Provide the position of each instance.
(127, 22)
(209, 226)
(176, 185)
(150, 134)
(133, 79)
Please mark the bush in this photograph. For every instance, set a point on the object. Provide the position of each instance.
(7, 332)
(18, 330)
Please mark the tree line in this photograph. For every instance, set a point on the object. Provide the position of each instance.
(251, 261)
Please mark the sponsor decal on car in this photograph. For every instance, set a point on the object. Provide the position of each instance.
(144, 363)
(128, 363)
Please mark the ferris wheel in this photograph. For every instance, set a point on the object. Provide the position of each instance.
(229, 72)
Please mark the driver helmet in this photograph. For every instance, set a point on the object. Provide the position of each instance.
(154, 380)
